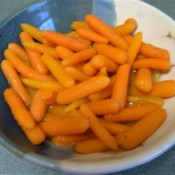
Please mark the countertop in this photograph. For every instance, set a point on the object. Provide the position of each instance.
(11, 164)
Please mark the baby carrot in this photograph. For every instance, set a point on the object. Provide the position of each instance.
(78, 25)
(18, 50)
(132, 113)
(82, 89)
(18, 109)
(117, 55)
(33, 31)
(119, 92)
(153, 63)
(23, 68)
(102, 107)
(89, 69)
(57, 70)
(61, 39)
(36, 135)
(15, 81)
(65, 126)
(139, 132)
(98, 128)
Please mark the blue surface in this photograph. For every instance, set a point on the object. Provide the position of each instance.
(11, 164)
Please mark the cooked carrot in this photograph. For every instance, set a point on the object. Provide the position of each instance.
(103, 71)
(41, 48)
(134, 47)
(65, 126)
(33, 31)
(98, 128)
(89, 146)
(79, 57)
(89, 69)
(143, 80)
(78, 25)
(100, 27)
(132, 113)
(139, 132)
(119, 92)
(82, 89)
(61, 39)
(18, 109)
(57, 70)
(15, 81)
(43, 85)
(72, 34)
(23, 68)
(91, 35)
(34, 57)
(35, 135)
(102, 107)
(18, 50)
(117, 55)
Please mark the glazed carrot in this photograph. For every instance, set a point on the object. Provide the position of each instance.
(79, 57)
(91, 35)
(41, 48)
(15, 81)
(164, 89)
(153, 63)
(100, 61)
(35, 135)
(78, 25)
(138, 133)
(82, 89)
(98, 128)
(143, 80)
(129, 26)
(43, 85)
(57, 70)
(114, 128)
(134, 47)
(33, 31)
(117, 55)
(18, 109)
(38, 106)
(100, 27)
(76, 74)
(89, 69)
(61, 39)
(18, 50)
(102, 107)
(65, 126)
(132, 113)
(89, 146)
(34, 57)
(103, 71)
(23, 68)
(72, 34)
(119, 92)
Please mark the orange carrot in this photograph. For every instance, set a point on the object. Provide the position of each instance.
(79, 57)
(78, 25)
(89, 69)
(15, 81)
(18, 50)
(143, 80)
(18, 109)
(61, 39)
(91, 35)
(65, 126)
(98, 128)
(119, 92)
(57, 70)
(82, 89)
(117, 55)
(138, 133)
(23, 68)
(35, 135)
(153, 63)
(102, 107)
(132, 113)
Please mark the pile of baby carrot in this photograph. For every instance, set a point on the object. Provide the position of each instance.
(96, 88)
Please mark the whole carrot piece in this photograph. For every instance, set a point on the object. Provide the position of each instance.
(18, 109)
(82, 89)
(138, 133)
